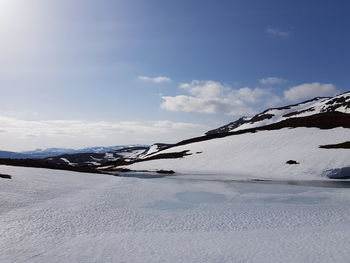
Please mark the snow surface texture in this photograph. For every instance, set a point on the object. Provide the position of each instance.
(62, 216)
(260, 155)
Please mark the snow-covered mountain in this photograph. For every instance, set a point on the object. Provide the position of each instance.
(301, 141)
(84, 161)
(340, 103)
(91, 159)
(50, 152)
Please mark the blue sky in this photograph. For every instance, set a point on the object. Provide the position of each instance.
(87, 72)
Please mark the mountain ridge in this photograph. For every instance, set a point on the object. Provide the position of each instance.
(340, 103)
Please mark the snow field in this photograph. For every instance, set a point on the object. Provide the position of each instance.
(261, 155)
(62, 216)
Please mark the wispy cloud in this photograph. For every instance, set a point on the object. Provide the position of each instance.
(272, 81)
(309, 91)
(273, 31)
(212, 97)
(160, 79)
(19, 134)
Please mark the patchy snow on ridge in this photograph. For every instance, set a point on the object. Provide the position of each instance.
(154, 148)
(61, 216)
(260, 155)
(67, 161)
(134, 153)
(340, 103)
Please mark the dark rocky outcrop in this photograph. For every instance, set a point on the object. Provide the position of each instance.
(292, 162)
(228, 127)
(5, 176)
(344, 145)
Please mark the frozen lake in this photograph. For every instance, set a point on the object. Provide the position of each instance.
(61, 216)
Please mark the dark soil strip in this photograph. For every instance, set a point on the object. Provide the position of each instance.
(344, 145)
(173, 155)
(297, 112)
(39, 163)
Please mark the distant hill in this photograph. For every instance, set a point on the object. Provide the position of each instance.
(50, 152)
(13, 155)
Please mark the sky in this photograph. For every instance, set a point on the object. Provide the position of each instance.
(79, 73)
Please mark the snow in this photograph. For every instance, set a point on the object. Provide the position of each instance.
(154, 148)
(279, 113)
(62, 216)
(95, 159)
(127, 154)
(110, 156)
(67, 161)
(93, 163)
(131, 153)
(260, 155)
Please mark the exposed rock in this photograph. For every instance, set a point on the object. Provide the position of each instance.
(229, 127)
(291, 162)
(5, 176)
(165, 172)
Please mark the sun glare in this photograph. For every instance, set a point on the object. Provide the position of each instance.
(9, 13)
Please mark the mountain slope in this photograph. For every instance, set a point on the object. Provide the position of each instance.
(263, 146)
(340, 103)
(260, 155)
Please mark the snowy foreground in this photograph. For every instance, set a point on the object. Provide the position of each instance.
(61, 216)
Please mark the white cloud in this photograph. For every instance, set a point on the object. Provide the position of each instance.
(309, 91)
(204, 89)
(213, 97)
(205, 105)
(19, 134)
(272, 81)
(277, 32)
(250, 95)
(159, 79)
